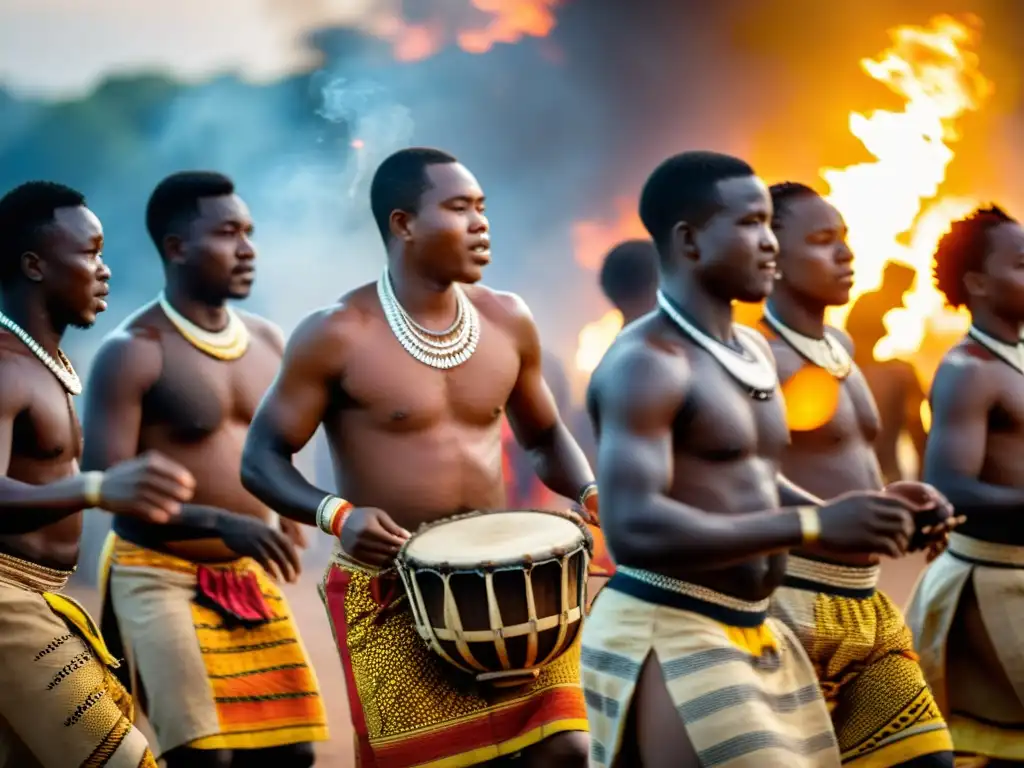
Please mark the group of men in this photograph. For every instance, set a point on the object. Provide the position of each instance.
(741, 497)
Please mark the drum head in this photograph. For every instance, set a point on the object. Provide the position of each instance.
(496, 537)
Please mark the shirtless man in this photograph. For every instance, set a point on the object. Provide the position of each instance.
(967, 612)
(60, 704)
(183, 375)
(416, 437)
(883, 712)
(681, 665)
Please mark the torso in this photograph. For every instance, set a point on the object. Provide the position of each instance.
(46, 447)
(421, 443)
(838, 456)
(727, 449)
(198, 413)
(1004, 443)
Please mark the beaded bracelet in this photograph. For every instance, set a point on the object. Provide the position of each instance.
(331, 514)
(585, 493)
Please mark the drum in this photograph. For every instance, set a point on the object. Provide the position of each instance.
(498, 594)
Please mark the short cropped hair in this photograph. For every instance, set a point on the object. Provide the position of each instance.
(25, 213)
(963, 249)
(629, 272)
(685, 188)
(400, 182)
(175, 201)
(784, 193)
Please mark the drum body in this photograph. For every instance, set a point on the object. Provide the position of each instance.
(498, 594)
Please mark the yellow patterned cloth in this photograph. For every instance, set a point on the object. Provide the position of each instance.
(410, 708)
(60, 704)
(986, 716)
(862, 652)
(742, 685)
(210, 682)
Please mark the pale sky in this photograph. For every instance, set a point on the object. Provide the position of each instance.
(64, 47)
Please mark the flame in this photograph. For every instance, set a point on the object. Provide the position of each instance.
(935, 71)
(593, 238)
(509, 21)
(595, 338)
(512, 20)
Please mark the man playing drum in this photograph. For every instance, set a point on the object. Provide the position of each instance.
(680, 664)
(412, 404)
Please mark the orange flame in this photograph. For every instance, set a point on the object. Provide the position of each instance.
(935, 71)
(591, 240)
(509, 22)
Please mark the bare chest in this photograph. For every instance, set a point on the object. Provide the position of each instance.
(721, 422)
(1006, 419)
(395, 392)
(197, 394)
(48, 431)
(833, 413)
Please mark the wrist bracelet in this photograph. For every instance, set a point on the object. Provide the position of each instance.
(92, 487)
(331, 514)
(585, 493)
(810, 524)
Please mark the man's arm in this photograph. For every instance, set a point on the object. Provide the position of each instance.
(289, 415)
(26, 507)
(637, 395)
(125, 368)
(533, 415)
(962, 397)
(792, 495)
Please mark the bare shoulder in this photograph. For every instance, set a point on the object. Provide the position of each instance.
(503, 308)
(132, 351)
(330, 331)
(643, 373)
(264, 329)
(964, 375)
(19, 370)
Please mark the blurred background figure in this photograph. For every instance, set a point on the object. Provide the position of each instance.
(894, 383)
(629, 278)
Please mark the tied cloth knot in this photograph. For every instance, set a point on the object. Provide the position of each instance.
(234, 595)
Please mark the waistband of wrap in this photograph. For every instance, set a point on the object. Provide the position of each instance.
(855, 581)
(985, 553)
(24, 574)
(674, 593)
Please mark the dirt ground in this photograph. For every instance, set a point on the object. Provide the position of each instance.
(897, 579)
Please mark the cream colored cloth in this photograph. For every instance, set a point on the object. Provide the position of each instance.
(747, 697)
(60, 705)
(997, 572)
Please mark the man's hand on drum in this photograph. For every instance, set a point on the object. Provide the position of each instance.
(934, 515)
(371, 536)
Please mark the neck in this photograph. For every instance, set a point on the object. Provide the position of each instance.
(631, 313)
(28, 310)
(796, 313)
(710, 313)
(431, 303)
(209, 314)
(999, 328)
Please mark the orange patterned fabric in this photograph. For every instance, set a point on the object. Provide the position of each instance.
(260, 689)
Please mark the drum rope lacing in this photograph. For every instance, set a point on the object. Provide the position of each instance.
(453, 630)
